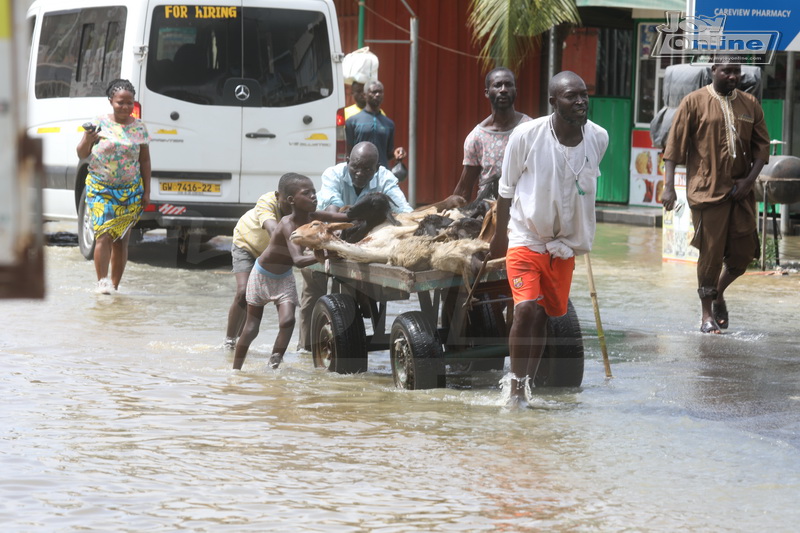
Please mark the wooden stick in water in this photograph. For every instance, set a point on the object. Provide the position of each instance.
(600, 334)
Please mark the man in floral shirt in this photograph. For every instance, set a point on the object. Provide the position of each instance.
(485, 144)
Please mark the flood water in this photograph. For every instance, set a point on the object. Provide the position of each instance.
(121, 413)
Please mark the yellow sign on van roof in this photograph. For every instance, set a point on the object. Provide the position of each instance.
(200, 12)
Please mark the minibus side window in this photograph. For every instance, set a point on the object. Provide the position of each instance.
(57, 57)
(112, 58)
(86, 67)
(79, 52)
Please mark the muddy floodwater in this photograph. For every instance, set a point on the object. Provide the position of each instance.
(122, 413)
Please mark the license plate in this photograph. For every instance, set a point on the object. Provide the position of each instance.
(191, 187)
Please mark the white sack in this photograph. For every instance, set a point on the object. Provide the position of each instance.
(360, 66)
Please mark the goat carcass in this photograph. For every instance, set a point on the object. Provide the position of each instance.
(413, 253)
(432, 225)
(370, 211)
(463, 228)
(374, 248)
(489, 224)
(396, 245)
(457, 256)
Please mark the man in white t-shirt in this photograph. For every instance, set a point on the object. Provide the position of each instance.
(545, 217)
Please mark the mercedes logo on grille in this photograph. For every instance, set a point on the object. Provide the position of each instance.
(242, 92)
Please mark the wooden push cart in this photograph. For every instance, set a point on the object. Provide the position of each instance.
(456, 329)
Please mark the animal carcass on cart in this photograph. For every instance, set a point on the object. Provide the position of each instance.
(457, 328)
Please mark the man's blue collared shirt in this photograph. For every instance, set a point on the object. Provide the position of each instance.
(337, 189)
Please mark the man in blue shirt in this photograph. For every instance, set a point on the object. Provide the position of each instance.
(373, 126)
(343, 185)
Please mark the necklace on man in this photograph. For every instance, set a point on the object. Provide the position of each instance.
(563, 152)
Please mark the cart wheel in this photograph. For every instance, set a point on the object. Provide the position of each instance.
(487, 322)
(338, 337)
(416, 353)
(562, 360)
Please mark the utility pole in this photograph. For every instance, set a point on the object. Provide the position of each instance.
(412, 90)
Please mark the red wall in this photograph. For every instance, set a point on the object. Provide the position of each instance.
(580, 55)
(450, 96)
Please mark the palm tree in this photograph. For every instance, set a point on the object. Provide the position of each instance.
(509, 29)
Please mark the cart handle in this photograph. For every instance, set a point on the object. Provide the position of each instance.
(468, 300)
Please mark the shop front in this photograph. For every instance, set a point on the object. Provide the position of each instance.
(612, 52)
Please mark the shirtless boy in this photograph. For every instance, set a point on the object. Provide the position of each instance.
(272, 279)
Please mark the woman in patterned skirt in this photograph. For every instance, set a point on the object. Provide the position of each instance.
(118, 182)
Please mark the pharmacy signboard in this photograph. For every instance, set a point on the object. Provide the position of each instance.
(781, 16)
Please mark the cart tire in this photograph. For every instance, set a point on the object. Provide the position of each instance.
(416, 353)
(488, 323)
(562, 360)
(338, 336)
(85, 229)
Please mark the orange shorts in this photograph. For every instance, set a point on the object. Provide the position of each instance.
(541, 278)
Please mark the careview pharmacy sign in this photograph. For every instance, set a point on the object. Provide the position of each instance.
(732, 29)
(781, 16)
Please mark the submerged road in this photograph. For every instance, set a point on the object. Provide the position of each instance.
(122, 413)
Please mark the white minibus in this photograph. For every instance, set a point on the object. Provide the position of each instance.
(234, 94)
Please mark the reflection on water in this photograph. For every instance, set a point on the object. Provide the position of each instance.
(122, 414)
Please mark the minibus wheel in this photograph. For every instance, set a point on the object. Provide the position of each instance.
(85, 229)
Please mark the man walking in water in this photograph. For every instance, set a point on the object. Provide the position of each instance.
(720, 134)
(545, 217)
(486, 143)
